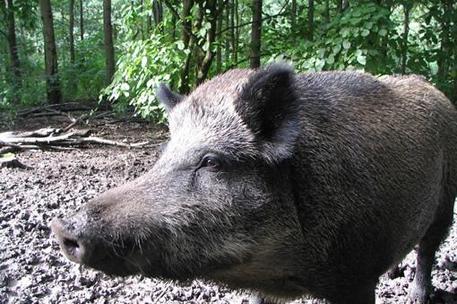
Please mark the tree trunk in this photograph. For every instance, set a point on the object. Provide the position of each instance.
(108, 41)
(220, 18)
(211, 16)
(339, 6)
(233, 33)
(293, 15)
(12, 47)
(157, 9)
(227, 51)
(443, 62)
(256, 32)
(81, 20)
(186, 34)
(311, 19)
(71, 31)
(149, 20)
(71, 34)
(198, 54)
(237, 31)
(404, 51)
(344, 5)
(327, 11)
(173, 30)
(50, 54)
(444, 56)
(453, 95)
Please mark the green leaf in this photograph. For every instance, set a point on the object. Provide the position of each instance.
(330, 59)
(346, 44)
(144, 62)
(180, 45)
(383, 32)
(344, 32)
(336, 49)
(151, 82)
(362, 59)
(125, 86)
(365, 33)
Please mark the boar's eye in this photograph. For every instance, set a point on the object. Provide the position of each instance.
(211, 162)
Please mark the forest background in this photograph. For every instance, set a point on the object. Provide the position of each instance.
(116, 51)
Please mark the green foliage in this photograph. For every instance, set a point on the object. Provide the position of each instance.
(84, 79)
(367, 35)
(356, 39)
(353, 40)
(145, 64)
(370, 37)
(149, 56)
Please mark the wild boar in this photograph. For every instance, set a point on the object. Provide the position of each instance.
(283, 183)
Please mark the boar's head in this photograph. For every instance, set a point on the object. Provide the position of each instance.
(218, 203)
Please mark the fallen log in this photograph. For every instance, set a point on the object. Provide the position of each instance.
(12, 148)
(35, 140)
(16, 141)
(36, 133)
(98, 140)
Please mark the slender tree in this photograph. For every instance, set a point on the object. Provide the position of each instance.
(157, 9)
(236, 15)
(445, 41)
(212, 12)
(311, 19)
(148, 17)
(256, 31)
(220, 18)
(71, 27)
(173, 25)
(344, 5)
(81, 20)
(186, 35)
(404, 54)
(233, 44)
(7, 6)
(453, 95)
(108, 41)
(71, 40)
(227, 51)
(327, 11)
(50, 53)
(293, 15)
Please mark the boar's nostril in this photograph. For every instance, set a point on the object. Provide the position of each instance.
(72, 248)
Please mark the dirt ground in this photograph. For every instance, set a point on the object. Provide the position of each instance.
(32, 270)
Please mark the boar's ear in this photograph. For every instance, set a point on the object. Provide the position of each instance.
(167, 97)
(268, 106)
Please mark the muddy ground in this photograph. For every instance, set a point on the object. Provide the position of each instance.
(32, 270)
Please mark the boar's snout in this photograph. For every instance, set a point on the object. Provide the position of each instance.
(99, 235)
(74, 247)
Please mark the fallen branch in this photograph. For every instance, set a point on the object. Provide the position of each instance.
(98, 140)
(16, 141)
(36, 140)
(36, 133)
(11, 148)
